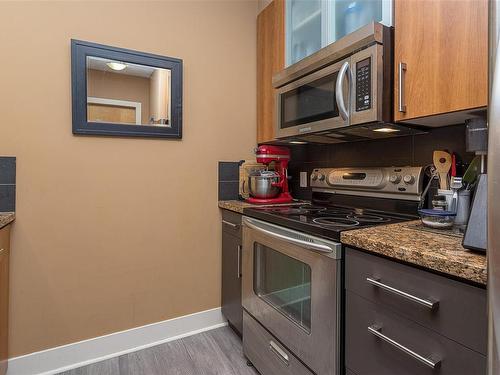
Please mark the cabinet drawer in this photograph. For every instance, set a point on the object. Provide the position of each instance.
(459, 310)
(368, 354)
(231, 222)
(266, 353)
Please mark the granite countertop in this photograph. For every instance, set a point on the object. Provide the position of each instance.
(238, 206)
(405, 242)
(6, 218)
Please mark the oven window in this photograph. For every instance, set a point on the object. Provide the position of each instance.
(284, 283)
(311, 102)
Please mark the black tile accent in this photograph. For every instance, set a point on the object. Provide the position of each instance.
(413, 150)
(7, 198)
(229, 171)
(7, 170)
(228, 190)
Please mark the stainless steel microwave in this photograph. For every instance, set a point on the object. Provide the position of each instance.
(345, 84)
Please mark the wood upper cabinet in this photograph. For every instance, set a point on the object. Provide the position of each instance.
(270, 60)
(444, 45)
(4, 297)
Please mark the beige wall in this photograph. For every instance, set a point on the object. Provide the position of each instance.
(113, 233)
(111, 85)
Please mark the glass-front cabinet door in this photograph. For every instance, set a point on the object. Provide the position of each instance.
(313, 24)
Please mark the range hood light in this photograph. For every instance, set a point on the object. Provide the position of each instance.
(116, 65)
(386, 130)
(298, 142)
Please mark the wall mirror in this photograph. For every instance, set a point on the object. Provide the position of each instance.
(125, 93)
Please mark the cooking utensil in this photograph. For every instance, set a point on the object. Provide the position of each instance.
(472, 172)
(453, 172)
(442, 162)
(262, 184)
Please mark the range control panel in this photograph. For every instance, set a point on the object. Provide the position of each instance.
(389, 182)
(363, 85)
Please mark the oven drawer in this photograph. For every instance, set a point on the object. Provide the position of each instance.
(266, 353)
(459, 310)
(372, 352)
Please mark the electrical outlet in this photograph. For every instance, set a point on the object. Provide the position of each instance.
(303, 179)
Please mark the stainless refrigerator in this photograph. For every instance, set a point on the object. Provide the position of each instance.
(493, 250)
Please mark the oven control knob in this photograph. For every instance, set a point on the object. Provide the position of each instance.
(321, 177)
(395, 178)
(314, 176)
(408, 179)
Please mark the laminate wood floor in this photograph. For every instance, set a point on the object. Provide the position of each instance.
(215, 352)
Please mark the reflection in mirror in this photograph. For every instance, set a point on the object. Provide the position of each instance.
(123, 93)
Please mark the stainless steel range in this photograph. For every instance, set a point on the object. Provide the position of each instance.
(292, 265)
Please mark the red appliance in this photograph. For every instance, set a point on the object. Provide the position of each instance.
(267, 154)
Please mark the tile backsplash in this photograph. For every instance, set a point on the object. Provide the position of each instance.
(413, 150)
(229, 179)
(7, 184)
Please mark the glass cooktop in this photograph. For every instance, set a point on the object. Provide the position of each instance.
(325, 221)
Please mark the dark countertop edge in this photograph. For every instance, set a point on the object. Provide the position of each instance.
(6, 218)
(423, 268)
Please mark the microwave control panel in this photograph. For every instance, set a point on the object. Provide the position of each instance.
(363, 85)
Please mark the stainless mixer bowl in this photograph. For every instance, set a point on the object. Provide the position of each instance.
(260, 184)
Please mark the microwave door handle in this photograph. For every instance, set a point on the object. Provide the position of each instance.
(339, 90)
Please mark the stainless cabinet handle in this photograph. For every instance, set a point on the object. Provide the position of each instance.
(278, 351)
(429, 303)
(402, 71)
(428, 361)
(230, 224)
(339, 90)
(239, 261)
(2, 250)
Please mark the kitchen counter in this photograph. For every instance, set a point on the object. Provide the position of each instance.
(238, 206)
(6, 218)
(405, 242)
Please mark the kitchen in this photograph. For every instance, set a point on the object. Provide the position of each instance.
(349, 163)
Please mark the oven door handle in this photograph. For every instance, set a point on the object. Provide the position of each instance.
(292, 236)
(339, 90)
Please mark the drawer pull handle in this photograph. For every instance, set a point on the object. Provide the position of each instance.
(230, 224)
(431, 304)
(239, 261)
(279, 352)
(428, 361)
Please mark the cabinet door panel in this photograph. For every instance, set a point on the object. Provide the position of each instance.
(444, 45)
(231, 281)
(270, 60)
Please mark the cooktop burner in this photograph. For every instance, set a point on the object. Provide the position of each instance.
(337, 221)
(327, 221)
(369, 218)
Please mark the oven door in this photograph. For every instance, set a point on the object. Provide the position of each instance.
(309, 104)
(291, 285)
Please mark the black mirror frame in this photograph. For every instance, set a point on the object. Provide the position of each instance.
(79, 52)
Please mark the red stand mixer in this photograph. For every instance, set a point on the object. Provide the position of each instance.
(269, 187)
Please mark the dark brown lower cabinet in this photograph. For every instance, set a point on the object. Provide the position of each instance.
(231, 270)
(4, 297)
(400, 320)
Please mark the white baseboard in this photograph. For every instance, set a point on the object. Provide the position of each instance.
(66, 357)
